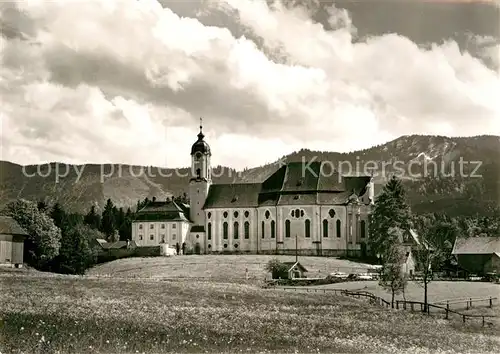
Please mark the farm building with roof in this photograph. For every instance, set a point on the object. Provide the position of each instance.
(325, 211)
(478, 255)
(11, 242)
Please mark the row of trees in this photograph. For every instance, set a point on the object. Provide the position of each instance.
(63, 242)
(57, 241)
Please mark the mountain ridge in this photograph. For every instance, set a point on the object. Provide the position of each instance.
(424, 162)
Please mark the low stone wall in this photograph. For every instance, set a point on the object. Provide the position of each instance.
(111, 255)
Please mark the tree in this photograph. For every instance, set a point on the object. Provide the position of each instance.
(390, 210)
(44, 238)
(434, 249)
(392, 277)
(77, 254)
(58, 215)
(42, 206)
(108, 224)
(277, 269)
(125, 228)
(93, 219)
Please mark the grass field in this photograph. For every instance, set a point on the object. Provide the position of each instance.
(219, 267)
(71, 315)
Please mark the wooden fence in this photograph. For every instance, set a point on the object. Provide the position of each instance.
(406, 305)
(467, 301)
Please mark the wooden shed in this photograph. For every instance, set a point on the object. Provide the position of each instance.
(478, 255)
(11, 242)
(295, 270)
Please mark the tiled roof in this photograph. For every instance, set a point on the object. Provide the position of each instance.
(166, 206)
(233, 195)
(296, 183)
(162, 211)
(161, 216)
(297, 199)
(357, 184)
(477, 245)
(9, 226)
(338, 198)
(301, 177)
(290, 265)
(330, 181)
(274, 183)
(414, 235)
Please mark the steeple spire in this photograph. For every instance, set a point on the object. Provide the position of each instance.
(201, 135)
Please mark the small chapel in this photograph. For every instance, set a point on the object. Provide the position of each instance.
(297, 209)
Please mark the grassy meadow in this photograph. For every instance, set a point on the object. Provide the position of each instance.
(58, 314)
(219, 267)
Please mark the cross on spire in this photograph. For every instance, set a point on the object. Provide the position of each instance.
(201, 135)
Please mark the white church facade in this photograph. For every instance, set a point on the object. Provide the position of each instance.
(296, 208)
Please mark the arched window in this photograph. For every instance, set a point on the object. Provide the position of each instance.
(268, 214)
(236, 230)
(287, 228)
(331, 212)
(247, 230)
(308, 228)
(263, 230)
(325, 228)
(363, 229)
(225, 214)
(209, 231)
(339, 234)
(273, 229)
(225, 231)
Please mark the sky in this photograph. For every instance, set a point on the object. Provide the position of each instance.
(126, 81)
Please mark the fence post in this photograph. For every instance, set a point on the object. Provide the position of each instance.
(428, 309)
(491, 302)
(470, 302)
(447, 305)
(483, 321)
(446, 313)
(411, 306)
(467, 302)
(464, 318)
(397, 304)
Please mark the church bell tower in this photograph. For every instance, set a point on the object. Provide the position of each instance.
(201, 178)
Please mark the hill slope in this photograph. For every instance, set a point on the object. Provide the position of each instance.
(430, 166)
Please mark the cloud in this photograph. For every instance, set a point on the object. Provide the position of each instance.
(125, 82)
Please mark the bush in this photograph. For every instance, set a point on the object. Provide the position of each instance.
(277, 269)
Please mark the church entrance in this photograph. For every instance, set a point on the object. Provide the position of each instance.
(197, 248)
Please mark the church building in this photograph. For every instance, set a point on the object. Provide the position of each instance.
(303, 207)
